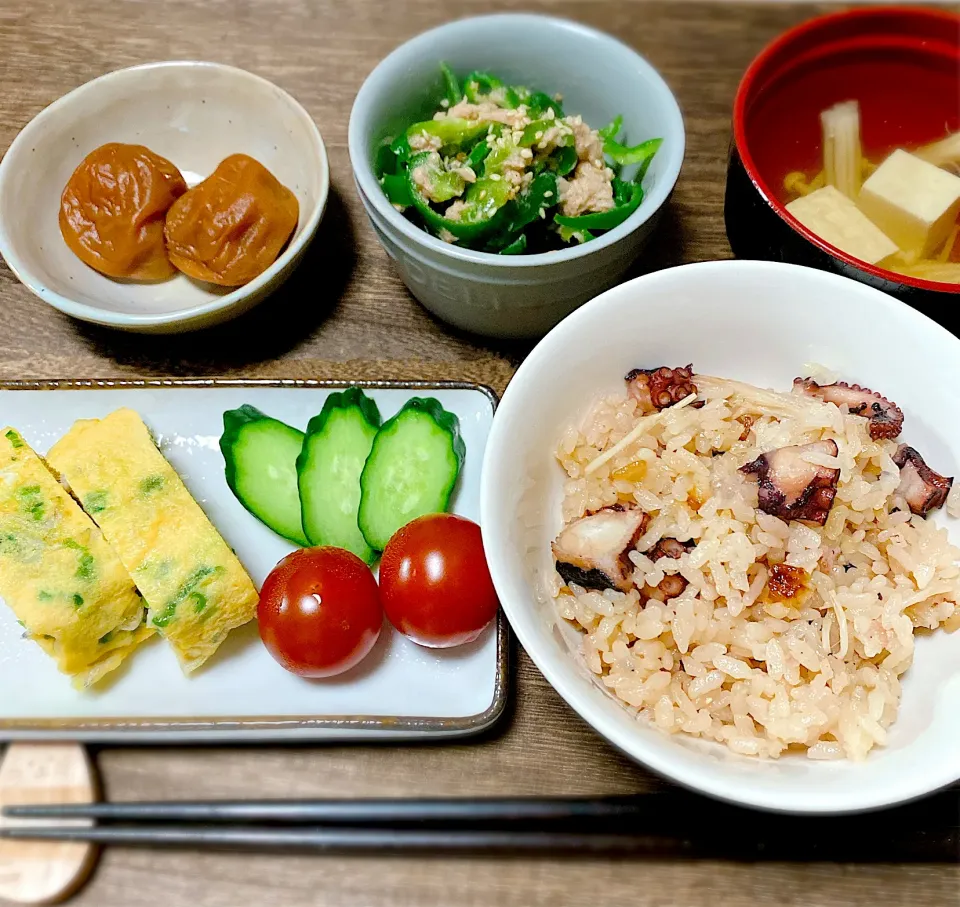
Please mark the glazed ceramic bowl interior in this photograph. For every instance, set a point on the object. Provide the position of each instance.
(758, 322)
(901, 64)
(195, 114)
(598, 78)
(515, 296)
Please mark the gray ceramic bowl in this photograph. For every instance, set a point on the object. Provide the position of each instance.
(523, 295)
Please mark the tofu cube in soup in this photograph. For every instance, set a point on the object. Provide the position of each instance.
(836, 219)
(912, 201)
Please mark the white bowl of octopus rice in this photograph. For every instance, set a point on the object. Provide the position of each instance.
(718, 509)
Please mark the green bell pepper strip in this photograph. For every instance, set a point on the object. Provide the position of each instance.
(484, 199)
(396, 187)
(565, 160)
(560, 161)
(622, 190)
(491, 192)
(641, 171)
(539, 103)
(385, 161)
(451, 84)
(450, 130)
(437, 222)
(603, 220)
(477, 217)
(500, 153)
(443, 184)
(391, 155)
(513, 96)
(567, 234)
(479, 84)
(533, 133)
(517, 247)
(541, 194)
(640, 154)
(400, 146)
(610, 132)
(477, 156)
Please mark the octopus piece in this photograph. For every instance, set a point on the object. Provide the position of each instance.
(673, 585)
(658, 388)
(792, 488)
(920, 487)
(785, 582)
(885, 417)
(670, 548)
(592, 551)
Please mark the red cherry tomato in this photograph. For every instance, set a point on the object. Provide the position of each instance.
(320, 611)
(434, 581)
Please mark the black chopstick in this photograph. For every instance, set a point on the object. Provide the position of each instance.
(460, 811)
(713, 843)
(658, 824)
(445, 811)
(357, 840)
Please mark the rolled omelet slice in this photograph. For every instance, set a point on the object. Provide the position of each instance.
(195, 587)
(58, 575)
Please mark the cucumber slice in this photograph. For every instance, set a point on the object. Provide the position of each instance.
(261, 458)
(336, 446)
(411, 470)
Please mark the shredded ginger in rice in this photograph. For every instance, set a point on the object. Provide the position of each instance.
(786, 636)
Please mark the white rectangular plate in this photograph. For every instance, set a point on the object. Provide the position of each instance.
(400, 690)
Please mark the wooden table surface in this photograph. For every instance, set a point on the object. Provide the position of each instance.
(346, 314)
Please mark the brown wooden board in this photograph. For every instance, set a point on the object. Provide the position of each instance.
(344, 316)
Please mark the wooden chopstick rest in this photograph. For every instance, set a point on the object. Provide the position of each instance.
(44, 872)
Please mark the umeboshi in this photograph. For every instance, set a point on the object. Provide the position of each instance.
(113, 209)
(231, 227)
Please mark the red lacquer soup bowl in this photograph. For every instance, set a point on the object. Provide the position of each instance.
(903, 66)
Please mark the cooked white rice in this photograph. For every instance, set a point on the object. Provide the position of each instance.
(726, 660)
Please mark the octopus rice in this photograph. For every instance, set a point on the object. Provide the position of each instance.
(750, 567)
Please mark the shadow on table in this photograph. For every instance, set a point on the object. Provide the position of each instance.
(275, 327)
(667, 247)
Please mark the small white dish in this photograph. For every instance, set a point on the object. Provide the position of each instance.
(758, 322)
(195, 114)
(400, 690)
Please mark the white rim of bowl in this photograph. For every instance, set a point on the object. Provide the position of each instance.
(652, 202)
(107, 318)
(911, 785)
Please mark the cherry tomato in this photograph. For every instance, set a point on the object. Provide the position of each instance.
(434, 581)
(320, 611)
